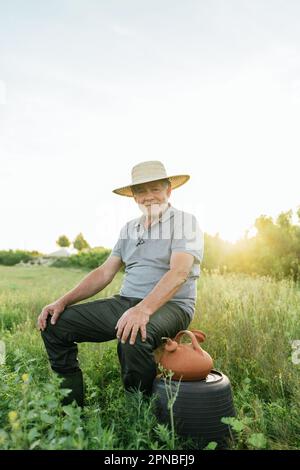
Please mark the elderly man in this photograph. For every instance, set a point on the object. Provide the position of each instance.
(162, 251)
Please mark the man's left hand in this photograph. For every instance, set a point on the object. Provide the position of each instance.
(133, 320)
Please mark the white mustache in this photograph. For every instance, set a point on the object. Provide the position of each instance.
(153, 209)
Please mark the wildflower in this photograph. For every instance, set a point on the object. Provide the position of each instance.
(12, 416)
(25, 378)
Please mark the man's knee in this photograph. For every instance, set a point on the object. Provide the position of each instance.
(48, 331)
(49, 336)
(57, 330)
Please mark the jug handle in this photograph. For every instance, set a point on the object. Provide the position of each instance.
(195, 343)
(200, 335)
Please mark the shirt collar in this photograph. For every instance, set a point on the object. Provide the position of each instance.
(169, 212)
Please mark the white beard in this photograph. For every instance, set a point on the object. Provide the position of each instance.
(154, 210)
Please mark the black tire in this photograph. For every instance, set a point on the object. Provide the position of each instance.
(198, 408)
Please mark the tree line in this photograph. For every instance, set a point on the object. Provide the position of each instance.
(273, 251)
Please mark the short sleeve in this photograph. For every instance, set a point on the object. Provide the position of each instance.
(116, 251)
(187, 236)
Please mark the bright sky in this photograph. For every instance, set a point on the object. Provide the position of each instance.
(90, 88)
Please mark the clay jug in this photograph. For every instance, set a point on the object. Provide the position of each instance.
(187, 361)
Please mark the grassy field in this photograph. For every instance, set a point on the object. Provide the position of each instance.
(249, 321)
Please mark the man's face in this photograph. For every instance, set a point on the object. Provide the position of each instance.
(152, 198)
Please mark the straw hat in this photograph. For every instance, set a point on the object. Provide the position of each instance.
(152, 170)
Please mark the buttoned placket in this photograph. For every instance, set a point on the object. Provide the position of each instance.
(140, 237)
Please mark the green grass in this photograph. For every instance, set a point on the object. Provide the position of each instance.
(249, 321)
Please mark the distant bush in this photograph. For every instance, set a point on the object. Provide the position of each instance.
(12, 257)
(89, 259)
(274, 250)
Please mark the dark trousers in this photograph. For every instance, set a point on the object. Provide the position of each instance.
(95, 322)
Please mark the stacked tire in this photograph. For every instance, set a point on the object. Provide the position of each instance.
(198, 408)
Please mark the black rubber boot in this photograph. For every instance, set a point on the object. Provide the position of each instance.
(74, 381)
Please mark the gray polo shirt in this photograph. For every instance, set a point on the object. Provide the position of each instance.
(146, 254)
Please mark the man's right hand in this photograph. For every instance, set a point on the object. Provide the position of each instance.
(54, 309)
